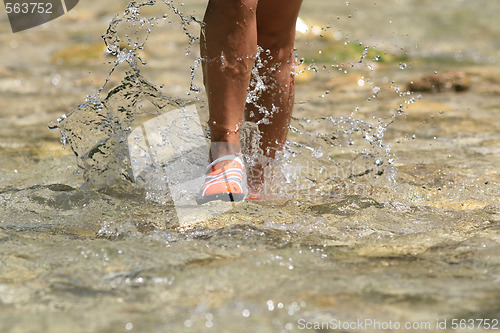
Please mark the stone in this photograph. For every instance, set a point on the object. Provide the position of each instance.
(449, 81)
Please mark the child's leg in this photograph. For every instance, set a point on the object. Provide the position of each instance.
(276, 33)
(228, 47)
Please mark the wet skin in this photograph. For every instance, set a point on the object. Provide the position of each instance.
(232, 30)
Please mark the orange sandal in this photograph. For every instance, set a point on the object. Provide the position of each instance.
(224, 181)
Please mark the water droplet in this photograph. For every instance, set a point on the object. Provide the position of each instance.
(317, 153)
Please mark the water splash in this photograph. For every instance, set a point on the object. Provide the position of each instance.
(321, 154)
(97, 130)
(328, 157)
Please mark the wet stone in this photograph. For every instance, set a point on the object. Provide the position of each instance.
(451, 81)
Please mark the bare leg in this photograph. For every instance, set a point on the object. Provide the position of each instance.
(228, 48)
(276, 33)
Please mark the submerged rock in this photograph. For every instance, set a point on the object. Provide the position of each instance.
(449, 81)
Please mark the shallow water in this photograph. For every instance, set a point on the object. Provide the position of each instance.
(337, 243)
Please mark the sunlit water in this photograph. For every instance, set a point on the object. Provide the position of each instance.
(387, 206)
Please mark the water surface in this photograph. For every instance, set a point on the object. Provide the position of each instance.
(414, 239)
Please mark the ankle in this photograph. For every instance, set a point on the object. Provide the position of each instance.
(219, 149)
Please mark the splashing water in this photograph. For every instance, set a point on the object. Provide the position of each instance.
(97, 130)
(337, 150)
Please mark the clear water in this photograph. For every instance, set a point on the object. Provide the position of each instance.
(388, 204)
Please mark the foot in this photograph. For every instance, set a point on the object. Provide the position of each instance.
(224, 181)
